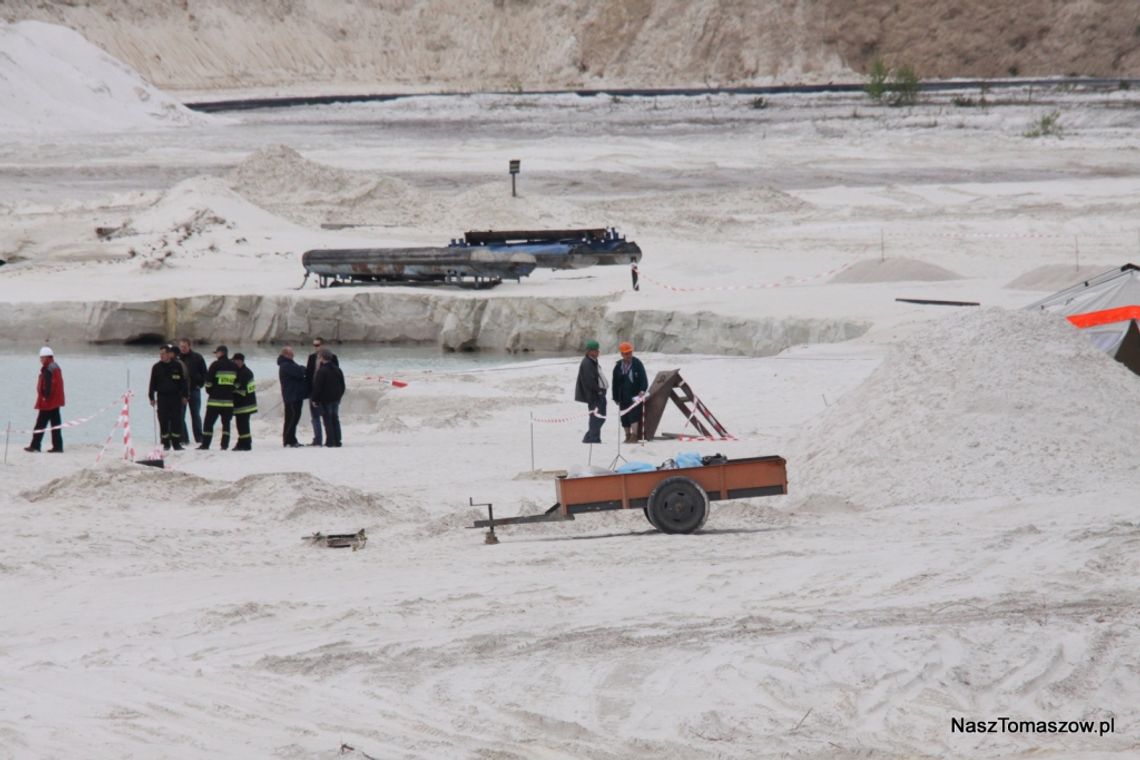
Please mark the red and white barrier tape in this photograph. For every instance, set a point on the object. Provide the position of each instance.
(124, 422)
(591, 413)
(71, 423)
(888, 234)
(560, 420)
(758, 286)
(388, 381)
(636, 403)
(705, 438)
(1010, 235)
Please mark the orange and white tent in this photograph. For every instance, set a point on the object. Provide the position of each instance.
(1107, 309)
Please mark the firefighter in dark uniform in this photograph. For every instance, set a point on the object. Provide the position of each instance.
(245, 404)
(220, 380)
(169, 393)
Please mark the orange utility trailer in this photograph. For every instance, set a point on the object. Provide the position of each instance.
(674, 500)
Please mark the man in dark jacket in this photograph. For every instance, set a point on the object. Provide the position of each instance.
(328, 389)
(245, 404)
(591, 390)
(169, 393)
(196, 374)
(294, 391)
(310, 374)
(221, 378)
(49, 400)
(630, 381)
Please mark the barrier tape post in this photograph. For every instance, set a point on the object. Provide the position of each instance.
(123, 421)
(7, 435)
(532, 441)
(128, 451)
(618, 457)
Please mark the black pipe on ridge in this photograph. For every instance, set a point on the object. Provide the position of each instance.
(247, 104)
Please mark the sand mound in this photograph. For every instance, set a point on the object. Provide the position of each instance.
(200, 216)
(706, 209)
(982, 403)
(1054, 277)
(115, 483)
(280, 179)
(280, 175)
(283, 496)
(53, 80)
(490, 206)
(296, 495)
(894, 270)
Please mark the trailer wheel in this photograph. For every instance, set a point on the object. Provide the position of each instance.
(677, 505)
(649, 517)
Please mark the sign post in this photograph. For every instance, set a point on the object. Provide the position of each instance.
(514, 167)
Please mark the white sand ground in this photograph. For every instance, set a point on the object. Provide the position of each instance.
(961, 530)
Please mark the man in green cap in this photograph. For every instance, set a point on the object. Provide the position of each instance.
(591, 390)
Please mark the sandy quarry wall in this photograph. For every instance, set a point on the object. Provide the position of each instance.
(449, 321)
(512, 44)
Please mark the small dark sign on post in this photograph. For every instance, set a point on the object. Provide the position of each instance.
(514, 170)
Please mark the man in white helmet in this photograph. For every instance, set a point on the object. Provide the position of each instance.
(49, 400)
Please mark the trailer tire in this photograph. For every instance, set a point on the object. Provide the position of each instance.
(678, 505)
(649, 517)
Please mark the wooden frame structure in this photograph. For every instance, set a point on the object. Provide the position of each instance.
(668, 386)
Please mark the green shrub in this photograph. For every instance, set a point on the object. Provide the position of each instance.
(1049, 125)
(877, 86)
(904, 87)
(897, 87)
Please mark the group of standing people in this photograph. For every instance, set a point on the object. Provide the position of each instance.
(320, 386)
(629, 381)
(180, 375)
(176, 382)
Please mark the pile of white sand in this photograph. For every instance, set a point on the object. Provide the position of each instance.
(280, 176)
(54, 80)
(273, 497)
(707, 209)
(894, 270)
(1054, 276)
(983, 403)
(280, 179)
(197, 217)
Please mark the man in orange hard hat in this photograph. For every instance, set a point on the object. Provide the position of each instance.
(629, 382)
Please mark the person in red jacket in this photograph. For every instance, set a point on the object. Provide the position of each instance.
(49, 400)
